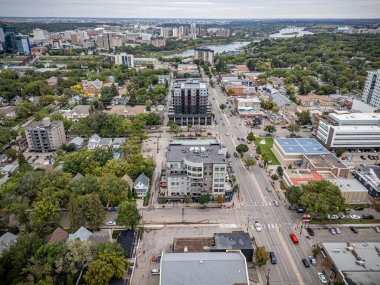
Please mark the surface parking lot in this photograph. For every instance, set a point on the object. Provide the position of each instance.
(366, 233)
(156, 241)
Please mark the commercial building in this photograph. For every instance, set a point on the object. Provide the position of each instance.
(349, 130)
(195, 167)
(23, 45)
(291, 150)
(211, 268)
(325, 162)
(125, 59)
(354, 263)
(299, 177)
(45, 135)
(352, 191)
(189, 104)
(369, 177)
(371, 92)
(204, 54)
(316, 100)
(40, 35)
(238, 240)
(248, 106)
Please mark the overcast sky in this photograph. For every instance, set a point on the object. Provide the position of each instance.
(192, 8)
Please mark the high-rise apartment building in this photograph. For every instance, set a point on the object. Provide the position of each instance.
(371, 92)
(10, 45)
(196, 167)
(125, 59)
(23, 45)
(190, 104)
(204, 54)
(40, 35)
(104, 41)
(45, 135)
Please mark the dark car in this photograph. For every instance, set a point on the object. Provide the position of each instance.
(305, 262)
(368, 217)
(236, 154)
(354, 230)
(272, 257)
(358, 208)
(310, 231)
(299, 210)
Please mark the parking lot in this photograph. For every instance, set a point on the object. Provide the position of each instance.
(37, 158)
(156, 241)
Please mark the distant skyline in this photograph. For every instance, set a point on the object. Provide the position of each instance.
(207, 9)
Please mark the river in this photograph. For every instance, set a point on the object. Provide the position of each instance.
(217, 48)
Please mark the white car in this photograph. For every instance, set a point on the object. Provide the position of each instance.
(355, 217)
(338, 231)
(312, 260)
(377, 229)
(227, 134)
(276, 203)
(155, 271)
(111, 223)
(322, 277)
(258, 226)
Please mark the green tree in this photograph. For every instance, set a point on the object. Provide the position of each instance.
(321, 197)
(274, 177)
(186, 200)
(44, 213)
(189, 126)
(280, 170)
(174, 128)
(113, 190)
(316, 250)
(294, 194)
(304, 118)
(261, 256)
(251, 137)
(270, 129)
(204, 199)
(248, 161)
(148, 104)
(11, 153)
(339, 151)
(78, 254)
(222, 107)
(242, 148)
(294, 128)
(128, 215)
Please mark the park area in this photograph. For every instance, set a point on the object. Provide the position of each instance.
(266, 149)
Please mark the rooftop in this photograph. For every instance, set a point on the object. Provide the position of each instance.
(234, 240)
(359, 262)
(199, 151)
(302, 176)
(46, 123)
(300, 146)
(326, 160)
(211, 268)
(355, 117)
(348, 185)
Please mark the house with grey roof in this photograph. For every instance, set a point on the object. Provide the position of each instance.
(78, 112)
(93, 142)
(6, 240)
(105, 143)
(82, 234)
(78, 142)
(101, 236)
(141, 185)
(3, 158)
(238, 240)
(118, 143)
(211, 268)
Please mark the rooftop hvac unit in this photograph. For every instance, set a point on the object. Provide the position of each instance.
(337, 250)
(349, 248)
(360, 262)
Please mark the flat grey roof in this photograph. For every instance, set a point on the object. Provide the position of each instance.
(204, 268)
(199, 151)
(348, 185)
(235, 240)
(325, 160)
(345, 260)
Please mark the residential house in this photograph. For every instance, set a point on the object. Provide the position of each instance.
(8, 112)
(82, 234)
(78, 112)
(105, 143)
(6, 241)
(20, 145)
(92, 87)
(117, 143)
(58, 235)
(141, 185)
(93, 142)
(101, 236)
(3, 158)
(78, 142)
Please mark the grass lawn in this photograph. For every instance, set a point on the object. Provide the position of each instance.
(266, 149)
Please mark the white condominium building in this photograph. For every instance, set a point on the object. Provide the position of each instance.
(125, 59)
(371, 92)
(196, 167)
(204, 54)
(350, 130)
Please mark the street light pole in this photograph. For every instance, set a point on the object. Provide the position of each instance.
(267, 276)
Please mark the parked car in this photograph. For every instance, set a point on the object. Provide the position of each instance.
(272, 257)
(276, 203)
(305, 262)
(359, 208)
(338, 231)
(236, 154)
(355, 217)
(354, 230)
(332, 217)
(158, 259)
(368, 217)
(312, 260)
(322, 277)
(310, 231)
(111, 223)
(268, 189)
(377, 229)
(155, 271)
(300, 210)
(332, 231)
(258, 226)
